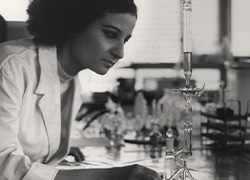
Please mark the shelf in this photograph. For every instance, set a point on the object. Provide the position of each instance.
(222, 127)
(223, 118)
(224, 130)
(221, 137)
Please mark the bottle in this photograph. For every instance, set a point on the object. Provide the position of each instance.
(155, 139)
(169, 161)
(140, 114)
(221, 101)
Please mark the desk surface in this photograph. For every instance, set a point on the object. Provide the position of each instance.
(205, 163)
(102, 157)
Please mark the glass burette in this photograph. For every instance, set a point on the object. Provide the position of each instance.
(187, 40)
(187, 68)
(188, 91)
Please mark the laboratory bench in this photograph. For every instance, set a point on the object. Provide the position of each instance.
(206, 163)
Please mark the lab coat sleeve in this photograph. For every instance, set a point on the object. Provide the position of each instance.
(14, 164)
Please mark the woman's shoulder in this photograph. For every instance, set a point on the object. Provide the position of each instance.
(20, 44)
(21, 51)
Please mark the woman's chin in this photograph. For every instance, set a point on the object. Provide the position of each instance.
(101, 71)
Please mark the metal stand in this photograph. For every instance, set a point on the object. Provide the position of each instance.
(188, 91)
(182, 171)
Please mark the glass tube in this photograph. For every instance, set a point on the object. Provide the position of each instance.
(187, 40)
(169, 156)
(188, 126)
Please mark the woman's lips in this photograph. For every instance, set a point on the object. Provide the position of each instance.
(110, 62)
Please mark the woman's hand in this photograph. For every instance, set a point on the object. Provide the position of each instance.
(76, 153)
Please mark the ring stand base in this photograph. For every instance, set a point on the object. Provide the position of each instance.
(186, 175)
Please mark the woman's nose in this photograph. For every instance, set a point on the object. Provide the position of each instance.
(118, 51)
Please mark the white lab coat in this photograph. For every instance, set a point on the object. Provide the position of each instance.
(30, 111)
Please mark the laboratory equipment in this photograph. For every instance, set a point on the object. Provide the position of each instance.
(180, 165)
(169, 160)
(187, 40)
(155, 138)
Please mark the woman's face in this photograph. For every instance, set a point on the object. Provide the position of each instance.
(101, 44)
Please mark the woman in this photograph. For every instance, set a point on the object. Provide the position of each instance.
(39, 91)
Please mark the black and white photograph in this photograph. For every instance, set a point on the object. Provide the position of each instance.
(124, 89)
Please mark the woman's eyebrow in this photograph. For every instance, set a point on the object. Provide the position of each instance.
(113, 27)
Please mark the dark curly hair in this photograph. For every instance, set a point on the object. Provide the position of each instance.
(53, 21)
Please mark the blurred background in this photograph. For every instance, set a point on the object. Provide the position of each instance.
(135, 95)
(153, 57)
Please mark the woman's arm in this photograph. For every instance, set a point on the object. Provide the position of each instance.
(15, 163)
(133, 172)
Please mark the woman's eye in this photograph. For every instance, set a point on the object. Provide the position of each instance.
(126, 40)
(110, 34)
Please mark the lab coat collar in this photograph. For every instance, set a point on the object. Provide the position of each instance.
(48, 66)
(49, 89)
(50, 102)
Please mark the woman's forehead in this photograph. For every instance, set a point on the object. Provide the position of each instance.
(118, 19)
